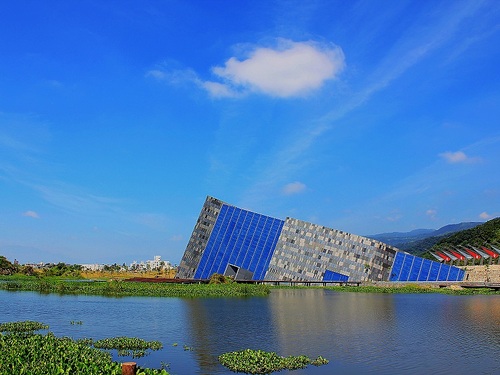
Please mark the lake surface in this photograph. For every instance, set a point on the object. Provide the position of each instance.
(360, 333)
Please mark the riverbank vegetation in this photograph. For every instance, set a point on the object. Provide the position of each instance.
(116, 288)
(409, 289)
(24, 352)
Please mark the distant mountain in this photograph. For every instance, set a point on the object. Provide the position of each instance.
(419, 240)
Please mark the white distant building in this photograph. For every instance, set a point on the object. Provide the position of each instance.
(155, 264)
(93, 267)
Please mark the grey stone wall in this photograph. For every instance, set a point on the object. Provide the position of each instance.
(199, 238)
(486, 273)
(305, 251)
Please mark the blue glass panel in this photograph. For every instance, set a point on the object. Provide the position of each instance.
(433, 274)
(424, 271)
(405, 270)
(443, 273)
(334, 276)
(242, 238)
(396, 266)
(415, 269)
(461, 275)
(453, 275)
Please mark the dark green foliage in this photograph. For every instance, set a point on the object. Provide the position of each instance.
(22, 352)
(217, 278)
(261, 362)
(126, 288)
(409, 289)
(23, 326)
(128, 346)
(47, 354)
(62, 269)
(6, 267)
(487, 233)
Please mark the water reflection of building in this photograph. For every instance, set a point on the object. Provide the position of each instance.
(250, 246)
(334, 317)
(220, 325)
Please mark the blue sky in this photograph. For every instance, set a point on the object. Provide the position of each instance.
(118, 118)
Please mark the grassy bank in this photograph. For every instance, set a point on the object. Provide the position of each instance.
(125, 288)
(409, 288)
(116, 288)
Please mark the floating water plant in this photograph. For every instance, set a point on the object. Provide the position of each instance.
(24, 352)
(26, 326)
(261, 362)
(128, 346)
(127, 288)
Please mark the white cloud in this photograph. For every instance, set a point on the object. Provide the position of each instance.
(290, 69)
(459, 157)
(431, 213)
(168, 72)
(294, 188)
(454, 157)
(177, 238)
(31, 214)
(485, 216)
(218, 90)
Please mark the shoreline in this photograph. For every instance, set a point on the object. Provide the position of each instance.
(176, 288)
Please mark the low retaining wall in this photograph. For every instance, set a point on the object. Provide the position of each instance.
(486, 273)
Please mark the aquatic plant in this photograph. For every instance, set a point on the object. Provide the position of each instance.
(128, 288)
(26, 326)
(128, 346)
(261, 362)
(23, 352)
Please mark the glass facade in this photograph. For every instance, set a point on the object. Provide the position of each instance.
(408, 267)
(248, 246)
(241, 240)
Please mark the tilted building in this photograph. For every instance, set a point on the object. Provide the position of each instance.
(249, 246)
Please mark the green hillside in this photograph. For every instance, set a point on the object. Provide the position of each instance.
(484, 234)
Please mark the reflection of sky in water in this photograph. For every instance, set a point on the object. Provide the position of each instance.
(358, 332)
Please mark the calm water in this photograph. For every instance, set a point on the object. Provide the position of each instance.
(360, 333)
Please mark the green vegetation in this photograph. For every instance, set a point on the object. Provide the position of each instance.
(24, 352)
(409, 288)
(488, 232)
(26, 326)
(402, 289)
(217, 278)
(128, 346)
(126, 288)
(59, 269)
(261, 362)
(6, 267)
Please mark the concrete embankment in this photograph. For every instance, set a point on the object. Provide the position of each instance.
(482, 274)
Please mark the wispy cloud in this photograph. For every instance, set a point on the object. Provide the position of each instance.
(485, 216)
(411, 49)
(431, 213)
(31, 214)
(75, 200)
(177, 238)
(434, 183)
(294, 188)
(457, 157)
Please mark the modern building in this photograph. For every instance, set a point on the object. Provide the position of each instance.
(251, 246)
